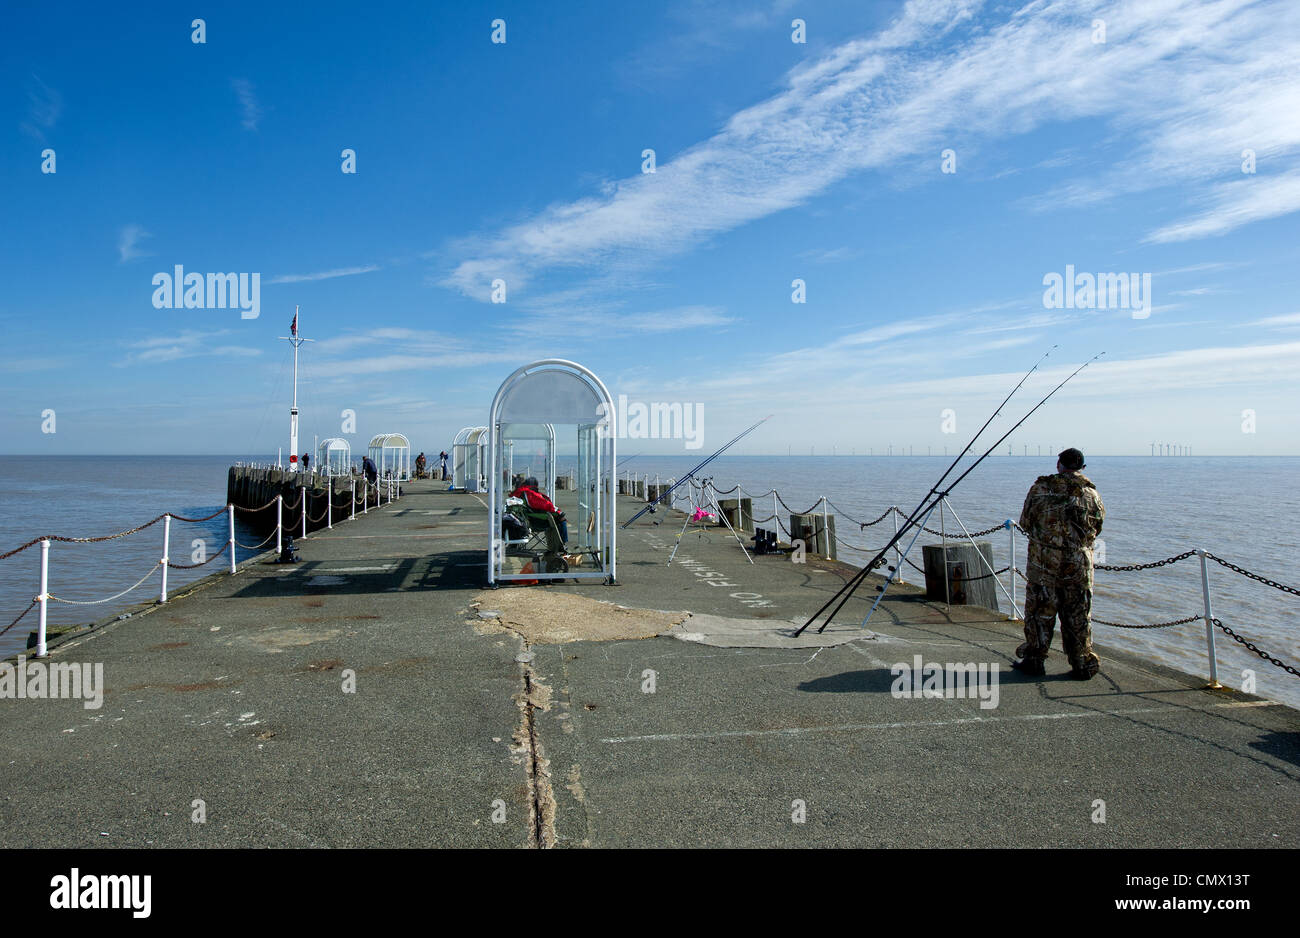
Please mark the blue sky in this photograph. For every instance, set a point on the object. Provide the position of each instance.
(820, 161)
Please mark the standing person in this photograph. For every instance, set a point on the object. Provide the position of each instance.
(368, 467)
(420, 463)
(1062, 517)
(442, 458)
(306, 462)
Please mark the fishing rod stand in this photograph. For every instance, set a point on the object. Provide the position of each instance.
(944, 505)
(943, 499)
(709, 499)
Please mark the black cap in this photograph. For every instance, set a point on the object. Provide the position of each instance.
(1071, 459)
(531, 482)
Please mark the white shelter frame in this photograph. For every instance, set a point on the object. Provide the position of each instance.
(557, 392)
(468, 459)
(391, 451)
(334, 456)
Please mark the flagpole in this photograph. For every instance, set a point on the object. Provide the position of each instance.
(295, 340)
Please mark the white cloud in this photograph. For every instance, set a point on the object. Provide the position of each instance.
(188, 344)
(884, 102)
(324, 275)
(1283, 321)
(249, 107)
(44, 105)
(128, 241)
(1237, 203)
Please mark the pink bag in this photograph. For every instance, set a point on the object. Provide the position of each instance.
(702, 515)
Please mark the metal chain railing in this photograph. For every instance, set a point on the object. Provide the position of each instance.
(1254, 576)
(100, 602)
(258, 546)
(220, 511)
(1267, 657)
(193, 566)
(87, 540)
(1148, 625)
(252, 510)
(35, 603)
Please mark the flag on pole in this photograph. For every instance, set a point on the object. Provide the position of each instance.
(293, 326)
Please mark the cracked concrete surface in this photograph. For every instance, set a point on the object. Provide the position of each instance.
(586, 715)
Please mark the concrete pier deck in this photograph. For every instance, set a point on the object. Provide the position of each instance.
(476, 722)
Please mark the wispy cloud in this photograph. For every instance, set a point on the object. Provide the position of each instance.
(188, 344)
(877, 103)
(248, 103)
(324, 274)
(1287, 320)
(607, 321)
(1237, 203)
(128, 241)
(44, 105)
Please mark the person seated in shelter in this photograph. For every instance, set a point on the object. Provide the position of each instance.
(536, 501)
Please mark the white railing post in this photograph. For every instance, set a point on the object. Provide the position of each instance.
(1209, 620)
(304, 510)
(279, 522)
(167, 540)
(898, 557)
(1011, 565)
(826, 523)
(230, 513)
(365, 496)
(329, 504)
(352, 500)
(43, 598)
(775, 520)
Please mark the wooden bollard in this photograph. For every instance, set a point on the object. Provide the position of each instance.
(969, 583)
(817, 531)
(745, 521)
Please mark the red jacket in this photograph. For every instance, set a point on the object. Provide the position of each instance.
(535, 500)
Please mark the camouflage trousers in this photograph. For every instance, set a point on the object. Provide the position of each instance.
(1074, 606)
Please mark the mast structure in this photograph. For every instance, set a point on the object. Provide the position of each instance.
(295, 340)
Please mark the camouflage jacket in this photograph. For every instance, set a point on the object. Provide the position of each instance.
(1062, 516)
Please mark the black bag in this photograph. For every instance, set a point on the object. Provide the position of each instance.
(512, 528)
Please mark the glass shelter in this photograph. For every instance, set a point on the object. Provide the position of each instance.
(529, 451)
(334, 457)
(543, 411)
(468, 459)
(391, 454)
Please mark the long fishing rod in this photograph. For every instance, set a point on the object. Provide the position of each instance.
(733, 441)
(849, 588)
(854, 580)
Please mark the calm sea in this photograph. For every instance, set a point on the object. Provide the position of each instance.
(1246, 510)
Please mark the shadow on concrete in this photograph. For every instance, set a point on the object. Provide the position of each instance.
(873, 681)
(1284, 746)
(452, 570)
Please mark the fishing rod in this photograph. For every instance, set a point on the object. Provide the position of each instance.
(856, 579)
(927, 503)
(667, 492)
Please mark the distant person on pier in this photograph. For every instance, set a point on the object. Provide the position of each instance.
(420, 463)
(1062, 517)
(306, 463)
(368, 467)
(442, 458)
(536, 501)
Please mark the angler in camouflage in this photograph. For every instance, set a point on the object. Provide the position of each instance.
(1062, 517)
